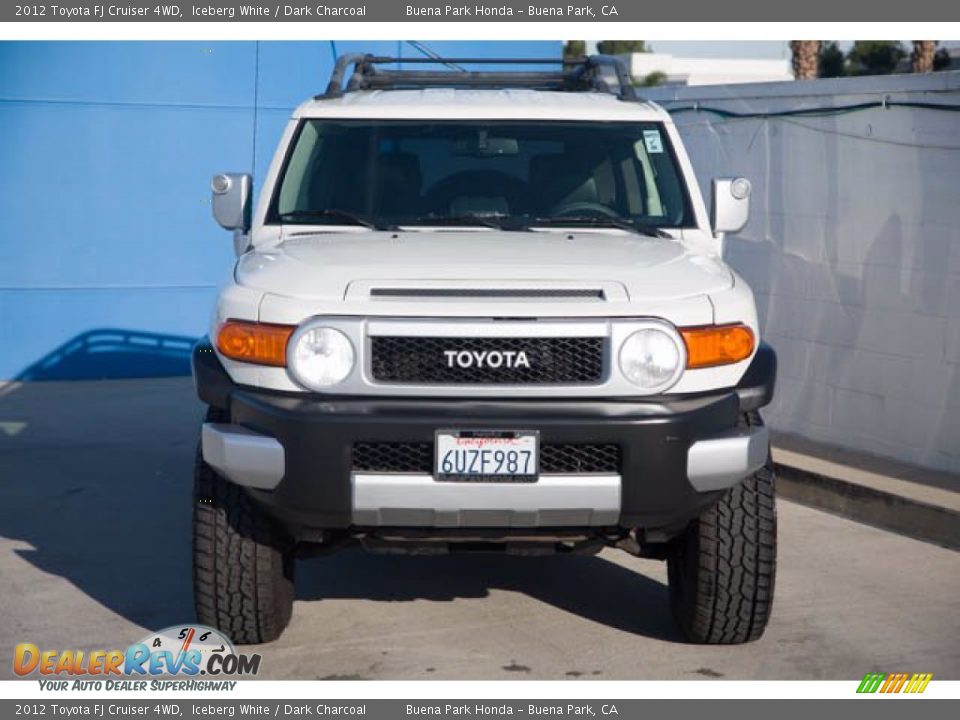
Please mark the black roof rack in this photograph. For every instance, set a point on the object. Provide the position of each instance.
(574, 75)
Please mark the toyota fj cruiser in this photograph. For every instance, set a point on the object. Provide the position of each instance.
(483, 310)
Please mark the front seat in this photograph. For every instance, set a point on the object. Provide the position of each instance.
(557, 180)
(399, 181)
(475, 191)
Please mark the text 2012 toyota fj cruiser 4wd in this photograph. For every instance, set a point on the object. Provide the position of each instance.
(483, 310)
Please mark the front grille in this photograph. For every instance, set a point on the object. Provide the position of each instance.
(417, 457)
(398, 457)
(554, 360)
(572, 458)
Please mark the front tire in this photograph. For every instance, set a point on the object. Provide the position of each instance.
(722, 569)
(242, 561)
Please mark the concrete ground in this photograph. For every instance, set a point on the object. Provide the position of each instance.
(95, 552)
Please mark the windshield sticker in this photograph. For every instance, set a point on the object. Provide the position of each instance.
(651, 139)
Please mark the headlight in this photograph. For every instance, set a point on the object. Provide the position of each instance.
(319, 357)
(652, 358)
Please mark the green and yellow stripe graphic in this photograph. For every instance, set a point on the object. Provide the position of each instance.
(894, 682)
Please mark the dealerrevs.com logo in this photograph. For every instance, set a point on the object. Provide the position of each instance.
(180, 651)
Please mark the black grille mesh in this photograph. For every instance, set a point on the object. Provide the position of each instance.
(393, 457)
(551, 360)
(572, 458)
(414, 457)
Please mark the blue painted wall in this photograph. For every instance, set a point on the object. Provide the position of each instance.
(109, 259)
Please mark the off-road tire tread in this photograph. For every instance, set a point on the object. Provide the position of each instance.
(242, 560)
(723, 568)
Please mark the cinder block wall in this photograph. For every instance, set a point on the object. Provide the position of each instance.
(853, 251)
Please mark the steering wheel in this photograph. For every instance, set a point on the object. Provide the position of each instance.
(581, 208)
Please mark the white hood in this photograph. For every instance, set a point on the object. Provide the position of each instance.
(323, 266)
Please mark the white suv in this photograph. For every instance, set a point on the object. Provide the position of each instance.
(483, 310)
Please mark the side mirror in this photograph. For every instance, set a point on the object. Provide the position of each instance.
(730, 206)
(231, 201)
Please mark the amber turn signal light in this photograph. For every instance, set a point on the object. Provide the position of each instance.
(253, 342)
(717, 345)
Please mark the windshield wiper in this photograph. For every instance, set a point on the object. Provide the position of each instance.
(598, 221)
(490, 221)
(335, 216)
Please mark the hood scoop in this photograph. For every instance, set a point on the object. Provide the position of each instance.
(489, 291)
(488, 294)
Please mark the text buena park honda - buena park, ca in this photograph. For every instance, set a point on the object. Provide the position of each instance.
(568, 710)
(582, 11)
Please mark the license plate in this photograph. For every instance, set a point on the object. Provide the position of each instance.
(486, 456)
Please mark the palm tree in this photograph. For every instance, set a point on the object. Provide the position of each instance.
(833, 62)
(875, 57)
(806, 58)
(574, 49)
(923, 54)
(622, 47)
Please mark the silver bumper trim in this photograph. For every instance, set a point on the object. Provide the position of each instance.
(400, 500)
(721, 462)
(407, 500)
(243, 456)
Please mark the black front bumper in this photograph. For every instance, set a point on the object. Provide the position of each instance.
(318, 434)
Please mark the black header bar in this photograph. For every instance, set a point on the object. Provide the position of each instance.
(586, 11)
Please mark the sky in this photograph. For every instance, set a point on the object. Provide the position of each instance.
(754, 49)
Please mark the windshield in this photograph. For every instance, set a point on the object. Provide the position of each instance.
(490, 173)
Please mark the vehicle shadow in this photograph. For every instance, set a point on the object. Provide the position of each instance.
(111, 353)
(590, 587)
(95, 488)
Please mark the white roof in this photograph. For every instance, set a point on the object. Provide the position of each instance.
(504, 104)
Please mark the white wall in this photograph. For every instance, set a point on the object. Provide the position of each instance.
(853, 251)
(709, 71)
